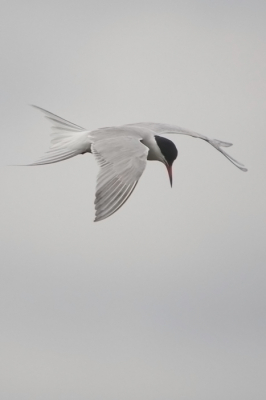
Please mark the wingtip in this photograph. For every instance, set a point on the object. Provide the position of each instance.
(99, 218)
(38, 108)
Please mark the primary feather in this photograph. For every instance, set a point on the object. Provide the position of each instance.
(122, 162)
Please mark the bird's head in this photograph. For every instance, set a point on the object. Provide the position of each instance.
(169, 152)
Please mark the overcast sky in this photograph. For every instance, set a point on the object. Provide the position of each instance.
(165, 299)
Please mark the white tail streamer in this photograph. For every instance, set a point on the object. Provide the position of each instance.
(67, 140)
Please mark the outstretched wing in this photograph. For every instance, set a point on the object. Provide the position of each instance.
(122, 161)
(217, 144)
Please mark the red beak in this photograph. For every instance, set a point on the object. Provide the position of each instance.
(169, 170)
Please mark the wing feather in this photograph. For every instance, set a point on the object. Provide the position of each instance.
(122, 161)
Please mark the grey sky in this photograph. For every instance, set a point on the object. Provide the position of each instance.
(166, 298)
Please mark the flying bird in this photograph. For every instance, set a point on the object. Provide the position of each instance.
(122, 153)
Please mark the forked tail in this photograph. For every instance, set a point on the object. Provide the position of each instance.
(67, 140)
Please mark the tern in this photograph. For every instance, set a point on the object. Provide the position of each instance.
(122, 153)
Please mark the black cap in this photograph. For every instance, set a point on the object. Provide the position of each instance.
(168, 149)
